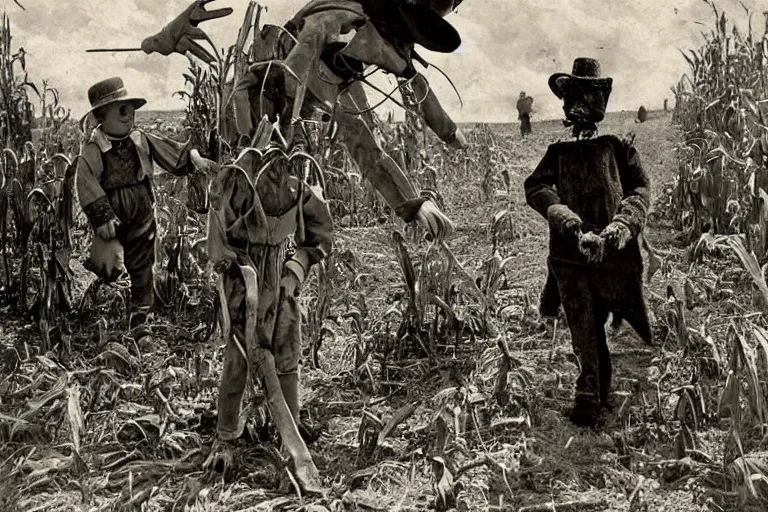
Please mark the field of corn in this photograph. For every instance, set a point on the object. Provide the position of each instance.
(427, 366)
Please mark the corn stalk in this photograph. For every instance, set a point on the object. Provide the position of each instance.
(722, 107)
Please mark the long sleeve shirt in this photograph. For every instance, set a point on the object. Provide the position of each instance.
(95, 175)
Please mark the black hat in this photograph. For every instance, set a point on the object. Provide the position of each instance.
(441, 7)
(415, 21)
(585, 71)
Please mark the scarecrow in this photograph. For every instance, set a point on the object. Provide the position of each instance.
(524, 109)
(595, 194)
(325, 50)
(309, 69)
(328, 47)
(258, 205)
(114, 183)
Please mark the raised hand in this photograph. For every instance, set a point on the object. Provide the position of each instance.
(180, 34)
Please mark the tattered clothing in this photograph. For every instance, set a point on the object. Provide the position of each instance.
(114, 182)
(602, 180)
(251, 226)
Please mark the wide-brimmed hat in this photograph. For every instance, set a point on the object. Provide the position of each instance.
(441, 7)
(111, 90)
(586, 72)
(414, 21)
(424, 19)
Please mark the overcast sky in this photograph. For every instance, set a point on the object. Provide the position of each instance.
(508, 46)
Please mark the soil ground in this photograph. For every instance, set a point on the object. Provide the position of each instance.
(148, 412)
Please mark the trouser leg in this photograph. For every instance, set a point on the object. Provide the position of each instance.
(234, 376)
(287, 350)
(139, 260)
(586, 321)
(550, 296)
(134, 207)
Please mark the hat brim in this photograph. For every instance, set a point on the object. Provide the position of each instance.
(136, 102)
(560, 83)
(443, 7)
(429, 29)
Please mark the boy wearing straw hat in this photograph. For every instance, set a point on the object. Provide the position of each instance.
(595, 194)
(114, 184)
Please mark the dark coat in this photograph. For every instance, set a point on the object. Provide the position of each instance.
(602, 180)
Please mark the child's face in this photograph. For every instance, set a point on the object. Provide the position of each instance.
(118, 119)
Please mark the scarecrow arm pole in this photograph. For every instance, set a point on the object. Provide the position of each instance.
(94, 50)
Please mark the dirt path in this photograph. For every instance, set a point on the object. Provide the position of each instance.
(554, 459)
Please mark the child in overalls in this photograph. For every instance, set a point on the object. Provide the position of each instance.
(595, 195)
(251, 222)
(114, 183)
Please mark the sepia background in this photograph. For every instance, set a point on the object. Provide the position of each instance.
(508, 46)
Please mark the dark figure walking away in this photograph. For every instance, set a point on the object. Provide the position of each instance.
(594, 193)
(524, 109)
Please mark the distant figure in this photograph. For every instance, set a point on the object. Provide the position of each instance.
(642, 114)
(524, 108)
(665, 104)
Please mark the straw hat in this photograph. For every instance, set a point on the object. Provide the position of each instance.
(106, 92)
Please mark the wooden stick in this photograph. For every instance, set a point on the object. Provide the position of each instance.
(93, 50)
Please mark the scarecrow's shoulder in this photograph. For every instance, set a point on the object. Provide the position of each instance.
(625, 142)
(91, 154)
(610, 138)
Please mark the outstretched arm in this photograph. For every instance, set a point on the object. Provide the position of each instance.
(170, 155)
(374, 163)
(434, 115)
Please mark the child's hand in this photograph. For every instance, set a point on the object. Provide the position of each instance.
(438, 224)
(107, 259)
(617, 235)
(108, 230)
(564, 219)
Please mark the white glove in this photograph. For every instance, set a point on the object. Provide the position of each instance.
(617, 235)
(459, 142)
(438, 224)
